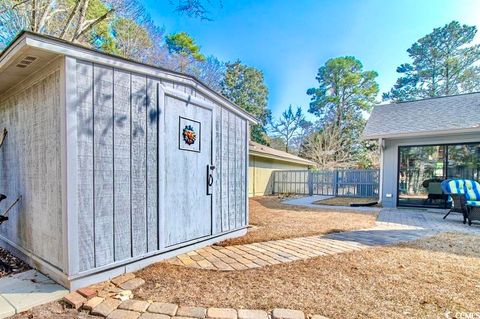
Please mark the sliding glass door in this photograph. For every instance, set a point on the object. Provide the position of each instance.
(422, 169)
(464, 161)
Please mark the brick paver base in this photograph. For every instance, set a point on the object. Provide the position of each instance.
(111, 307)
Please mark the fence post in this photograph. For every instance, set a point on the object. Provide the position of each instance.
(335, 182)
(274, 173)
(310, 182)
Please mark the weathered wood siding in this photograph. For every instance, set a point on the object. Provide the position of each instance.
(122, 158)
(30, 164)
(119, 155)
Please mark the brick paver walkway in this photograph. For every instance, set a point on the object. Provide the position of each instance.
(392, 226)
(105, 300)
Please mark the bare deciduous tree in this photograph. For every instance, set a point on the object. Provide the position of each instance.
(68, 20)
(194, 8)
(73, 20)
(131, 40)
(121, 27)
(288, 126)
(326, 148)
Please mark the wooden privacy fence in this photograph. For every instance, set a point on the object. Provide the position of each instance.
(344, 182)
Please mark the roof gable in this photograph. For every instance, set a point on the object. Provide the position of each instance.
(442, 115)
(27, 40)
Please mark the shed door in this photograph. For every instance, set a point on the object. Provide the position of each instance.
(188, 155)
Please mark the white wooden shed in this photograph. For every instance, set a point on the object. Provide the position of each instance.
(119, 164)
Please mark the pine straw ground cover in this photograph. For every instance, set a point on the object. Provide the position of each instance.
(421, 279)
(272, 220)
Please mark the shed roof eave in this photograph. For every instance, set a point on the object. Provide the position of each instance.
(283, 159)
(18, 44)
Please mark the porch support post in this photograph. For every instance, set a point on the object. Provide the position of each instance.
(381, 145)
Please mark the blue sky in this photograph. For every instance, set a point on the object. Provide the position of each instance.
(289, 40)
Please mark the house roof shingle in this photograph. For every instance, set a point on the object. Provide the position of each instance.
(450, 114)
(257, 149)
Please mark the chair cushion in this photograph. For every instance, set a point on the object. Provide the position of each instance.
(472, 190)
(453, 186)
(473, 202)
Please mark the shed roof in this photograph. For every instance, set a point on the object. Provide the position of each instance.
(260, 150)
(46, 48)
(433, 116)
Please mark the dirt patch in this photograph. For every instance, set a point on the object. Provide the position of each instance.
(53, 310)
(346, 201)
(422, 279)
(10, 264)
(273, 220)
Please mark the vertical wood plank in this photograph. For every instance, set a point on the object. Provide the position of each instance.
(244, 172)
(138, 166)
(238, 173)
(247, 166)
(217, 159)
(152, 165)
(69, 167)
(86, 244)
(225, 171)
(121, 151)
(103, 164)
(161, 167)
(231, 170)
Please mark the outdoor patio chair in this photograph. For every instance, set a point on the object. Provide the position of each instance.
(456, 190)
(472, 194)
(465, 196)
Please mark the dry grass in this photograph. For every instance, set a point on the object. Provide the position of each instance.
(345, 201)
(422, 279)
(273, 220)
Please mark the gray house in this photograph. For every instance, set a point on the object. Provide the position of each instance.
(424, 142)
(119, 164)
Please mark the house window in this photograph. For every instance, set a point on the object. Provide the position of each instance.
(422, 169)
(464, 161)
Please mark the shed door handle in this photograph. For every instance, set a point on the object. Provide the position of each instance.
(210, 169)
(210, 180)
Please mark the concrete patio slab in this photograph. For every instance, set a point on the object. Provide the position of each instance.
(28, 289)
(6, 309)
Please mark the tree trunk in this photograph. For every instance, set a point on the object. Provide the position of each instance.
(33, 23)
(81, 19)
(447, 80)
(93, 24)
(69, 20)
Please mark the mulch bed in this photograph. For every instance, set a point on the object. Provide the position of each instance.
(272, 220)
(10, 264)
